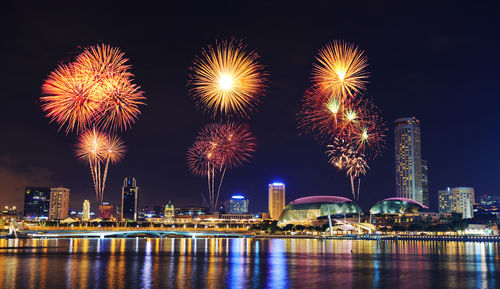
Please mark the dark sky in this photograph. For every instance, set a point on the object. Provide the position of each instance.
(438, 62)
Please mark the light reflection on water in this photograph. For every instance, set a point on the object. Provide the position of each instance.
(246, 263)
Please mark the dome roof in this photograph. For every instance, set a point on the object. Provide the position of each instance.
(309, 209)
(405, 200)
(397, 206)
(320, 199)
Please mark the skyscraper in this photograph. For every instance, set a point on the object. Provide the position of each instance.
(276, 199)
(425, 183)
(457, 200)
(130, 199)
(59, 203)
(238, 204)
(36, 202)
(86, 210)
(408, 159)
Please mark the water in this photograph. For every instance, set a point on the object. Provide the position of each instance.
(247, 263)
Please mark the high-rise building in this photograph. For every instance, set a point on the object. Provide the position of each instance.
(59, 203)
(130, 199)
(425, 183)
(36, 202)
(408, 159)
(86, 210)
(457, 200)
(238, 204)
(276, 199)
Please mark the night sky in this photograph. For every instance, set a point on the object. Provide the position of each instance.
(438, 62)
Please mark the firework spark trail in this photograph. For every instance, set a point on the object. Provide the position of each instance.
(98, 148)
(95, 89)
(227, 80)
(217, 148)
(344, 156)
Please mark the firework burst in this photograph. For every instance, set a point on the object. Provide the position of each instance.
(96, 89)
(227, 80)
(99, 149)
(340, 70)
(217, 148)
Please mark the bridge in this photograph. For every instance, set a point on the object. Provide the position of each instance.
(130, 233)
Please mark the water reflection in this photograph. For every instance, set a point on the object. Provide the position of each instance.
(246, 263)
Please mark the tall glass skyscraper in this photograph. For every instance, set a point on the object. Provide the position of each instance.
(425, 183)
(36, 202)
(130, 199)
(276, 199)
(408, 159)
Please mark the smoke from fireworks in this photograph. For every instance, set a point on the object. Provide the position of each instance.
(99, 150)
(97, 88)
(227, 80)
(218, 147)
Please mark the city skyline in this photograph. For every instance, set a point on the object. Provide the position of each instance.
(156, 151)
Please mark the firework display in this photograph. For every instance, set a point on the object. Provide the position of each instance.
(227, 80)
(340, 70)
(99, 149)
(96, 89)
(335, 111)
(94, 95)
(218, 147)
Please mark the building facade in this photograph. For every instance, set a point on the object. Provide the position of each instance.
(408, 159)
(238, 204)
(425, 183)
(169, 212)
(36, 202)
(130, 199)
(457, 200)
(276, 199)
(86, 210)
(59, 203)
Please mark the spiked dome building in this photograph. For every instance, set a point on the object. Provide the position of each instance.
(306, 211)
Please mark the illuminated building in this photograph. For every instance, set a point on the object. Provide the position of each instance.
(192, 211)
(307, 210)
(59, 203)
(9, 213)
(130, 199)
(457, 200)
(36, 202)
(488, 204)
(397, 206)
(86, 210)
(169, 212)
(276, 199)
(238, 204)
(408, 159)
(425, 183)
(107, 211)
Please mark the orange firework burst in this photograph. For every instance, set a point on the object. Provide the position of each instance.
(227, 80)
(340, 70)
(69, 99)
(98, 150)
(218, 147)
(96, 89)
